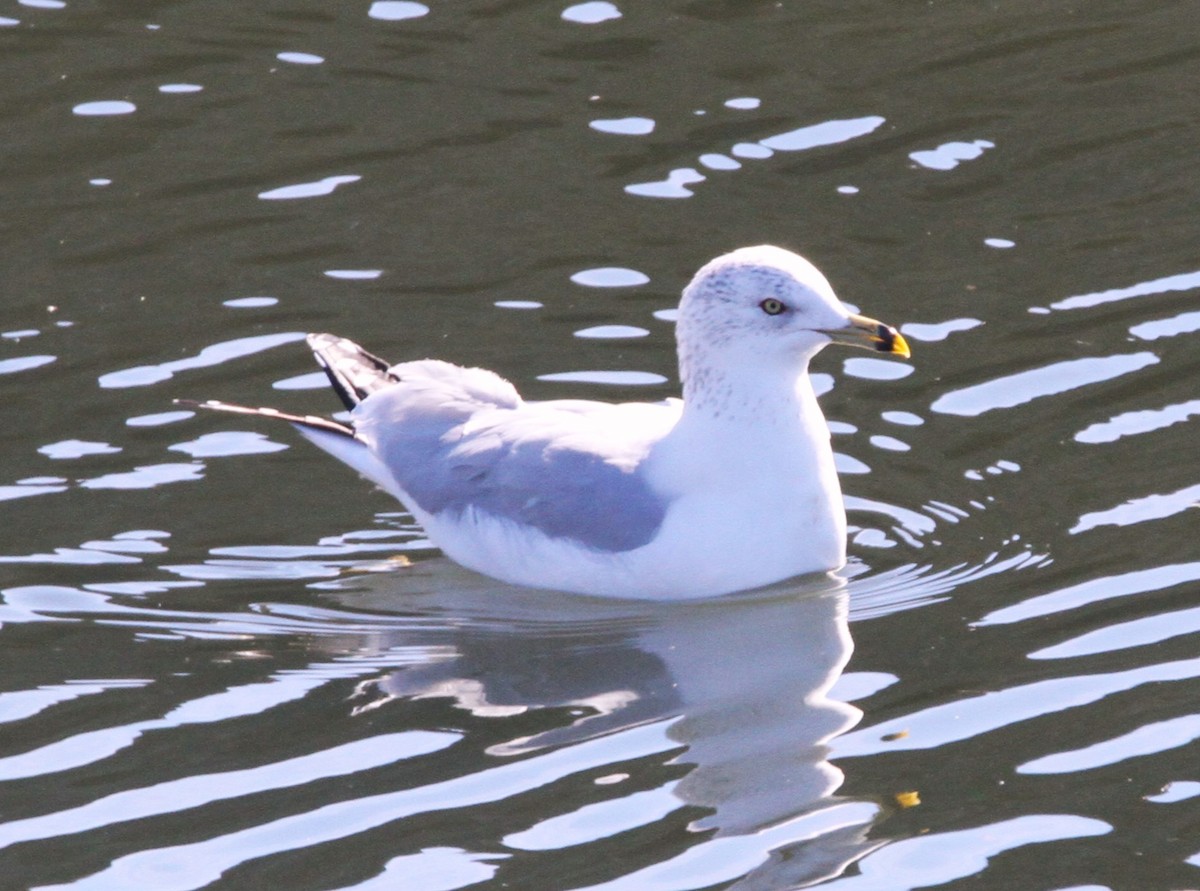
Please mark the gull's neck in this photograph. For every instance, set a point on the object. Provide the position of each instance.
(751, 395)
(753, 437)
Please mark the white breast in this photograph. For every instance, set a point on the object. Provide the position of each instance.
(705, 546)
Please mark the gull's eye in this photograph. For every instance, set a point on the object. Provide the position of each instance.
(772, 307)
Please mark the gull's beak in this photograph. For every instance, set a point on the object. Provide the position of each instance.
(870, 334)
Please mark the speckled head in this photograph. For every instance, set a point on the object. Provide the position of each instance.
(754, 317)
(758, 306)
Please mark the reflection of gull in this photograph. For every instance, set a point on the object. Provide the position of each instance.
(739, 683)
(632, 499)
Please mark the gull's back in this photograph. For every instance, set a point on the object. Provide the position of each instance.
(461, 445)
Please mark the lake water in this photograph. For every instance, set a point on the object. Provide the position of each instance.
(230, 663)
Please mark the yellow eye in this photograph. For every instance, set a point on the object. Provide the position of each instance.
(772, 307)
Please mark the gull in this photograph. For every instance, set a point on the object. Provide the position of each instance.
(731, 487)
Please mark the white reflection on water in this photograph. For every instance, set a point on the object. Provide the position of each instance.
(1139, 632)
(139, 541)
(676, 680)
(1049, 380)
(726, 858)
(825, 133)
(905, 587)
(1149, 739)
(312, 380)
(889, 443)
(214, 354)
(27, 490)
(848, 465)
(250, 302)
(147, 476)
(24, 363)
(717, 161)
(799, 139)
(198, 790)
(751, 150)
(612, 332)
(702, 672)
(624, 126)
(951, 154)
(941, 857)
(735, 691)
(1141, 510)
(1184, 281)
(674, 186)
(1177, 791)
(191, 866)
(972, 716)
(598, 820)
(300, 58)
(1001, 466)
(433, 869)
(76, 448)
(18, 705)
(904, 418)
(226, 443)
(931, 333)
(321, 187)
(103, 107)
(1131, 423)
(1184, 323)
(910, 521)
(91, 746)
(1095, 591)
(610, 277)
(591, 13)
(875, 369)
(397, 10)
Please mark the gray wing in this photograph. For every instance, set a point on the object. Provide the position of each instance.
(461, 439)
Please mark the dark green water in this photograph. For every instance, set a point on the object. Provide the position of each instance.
(214, 670)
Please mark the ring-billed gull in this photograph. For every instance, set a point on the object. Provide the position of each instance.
(730, 488)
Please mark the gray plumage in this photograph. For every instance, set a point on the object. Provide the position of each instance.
(459, 440)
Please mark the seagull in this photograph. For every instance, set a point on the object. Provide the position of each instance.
(731, 487)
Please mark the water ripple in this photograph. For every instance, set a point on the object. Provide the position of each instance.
(1049, 380)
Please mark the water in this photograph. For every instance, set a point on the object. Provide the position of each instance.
(229, 663)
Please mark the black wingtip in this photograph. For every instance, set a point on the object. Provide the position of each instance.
(353, 373)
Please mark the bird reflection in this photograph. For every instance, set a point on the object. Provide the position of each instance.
(741, 681)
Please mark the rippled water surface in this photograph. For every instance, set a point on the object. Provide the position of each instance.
(229, 663)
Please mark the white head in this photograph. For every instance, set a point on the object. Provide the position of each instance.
(757, 316)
